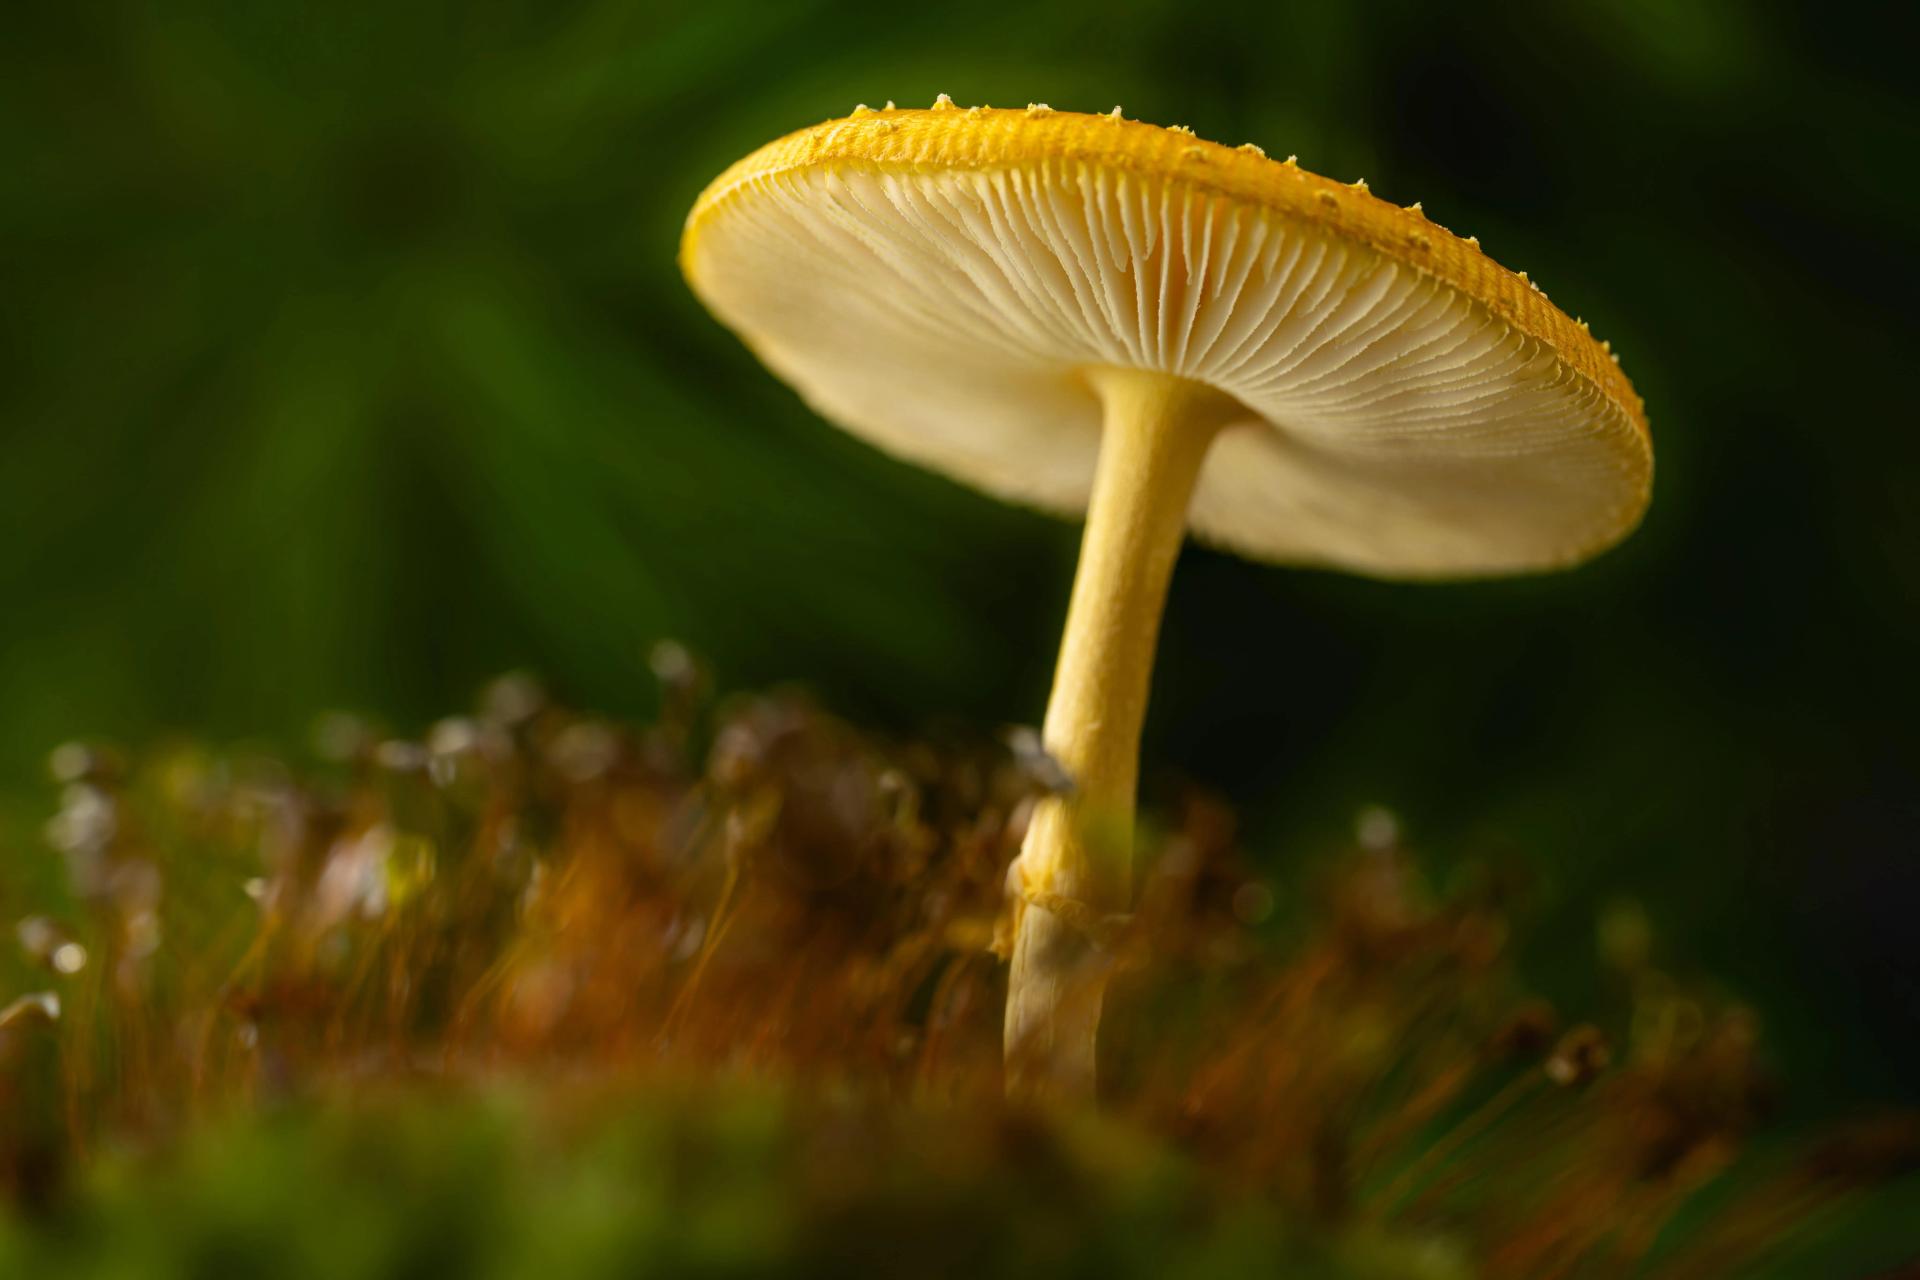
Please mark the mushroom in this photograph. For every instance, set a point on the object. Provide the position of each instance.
(1086, 313)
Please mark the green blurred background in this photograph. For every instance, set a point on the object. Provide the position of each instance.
(344, 361)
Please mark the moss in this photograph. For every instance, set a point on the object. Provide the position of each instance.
(546, 993)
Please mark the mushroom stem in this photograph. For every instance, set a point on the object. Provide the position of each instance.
(1074, 873)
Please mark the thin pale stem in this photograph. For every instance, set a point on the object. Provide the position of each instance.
(1076, 865)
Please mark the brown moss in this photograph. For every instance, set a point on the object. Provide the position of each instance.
(761, 891)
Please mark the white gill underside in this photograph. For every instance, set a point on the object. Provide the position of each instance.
(1395, 427)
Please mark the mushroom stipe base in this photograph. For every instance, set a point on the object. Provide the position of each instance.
(1156, 431)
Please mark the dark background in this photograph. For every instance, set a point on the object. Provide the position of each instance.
(344, 361)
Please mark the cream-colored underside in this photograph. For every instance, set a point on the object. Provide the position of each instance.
(1394, 427)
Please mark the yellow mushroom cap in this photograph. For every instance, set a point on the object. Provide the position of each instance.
(940, 282)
